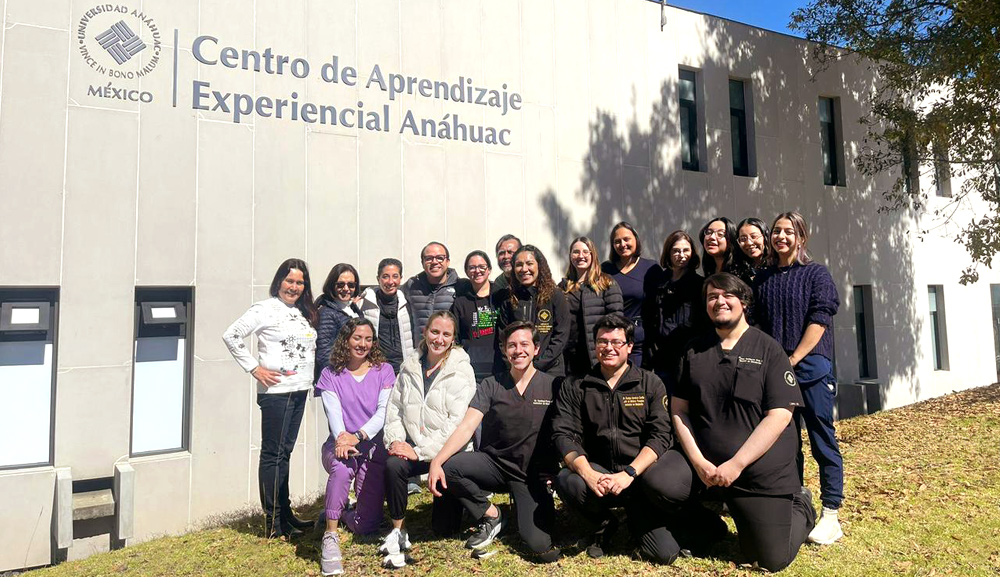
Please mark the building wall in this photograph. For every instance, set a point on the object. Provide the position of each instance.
(104, 195)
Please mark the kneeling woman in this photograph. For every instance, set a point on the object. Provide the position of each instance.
(431, 395)
(355, 388)
(516, 453)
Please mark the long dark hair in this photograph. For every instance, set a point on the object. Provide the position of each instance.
(305, 303)
(340, 354)
(543, 284)
(330, 286)
(759, 224)
(707, 261)
(801, 231)
(613, 257)
(668, 245)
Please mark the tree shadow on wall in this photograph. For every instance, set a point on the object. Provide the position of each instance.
(632, 172)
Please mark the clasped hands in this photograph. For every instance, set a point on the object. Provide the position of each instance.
(721, 476)
(602, 484)
(346, 446)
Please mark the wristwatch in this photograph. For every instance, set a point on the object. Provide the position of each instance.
(360, 434)
(630, 471)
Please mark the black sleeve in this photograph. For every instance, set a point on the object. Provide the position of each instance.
(501, 300)
(560, 332)
(325, 336)
(658, 432)
(485, 393)
(650, 283)
(567, 427)
(459, 311)
(781, 388)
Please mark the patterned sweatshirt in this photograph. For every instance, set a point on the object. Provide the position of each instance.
(286, 342)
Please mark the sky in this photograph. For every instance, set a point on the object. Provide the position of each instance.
(769, 14)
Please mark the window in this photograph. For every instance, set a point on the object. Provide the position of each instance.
(939, 334)
(830, 130)
(942, 170)
(995, 297)
(738, 127)
(864, 326)
(27, 369)
(689, 120)
(161, 371)
(911, 172)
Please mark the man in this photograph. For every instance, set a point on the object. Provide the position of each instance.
(433, 289)
(610, 426)
(505, 249)
(732, 414)
(515, 455)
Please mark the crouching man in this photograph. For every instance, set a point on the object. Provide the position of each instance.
(610, 426)
(515, 454)
(732, 414)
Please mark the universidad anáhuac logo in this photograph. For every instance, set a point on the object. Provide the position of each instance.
(118, 41)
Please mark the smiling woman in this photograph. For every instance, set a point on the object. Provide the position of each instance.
(286, 345)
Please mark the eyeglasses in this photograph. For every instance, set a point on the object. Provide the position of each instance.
(435, 258)
(715, 233)
(616, 343)
(477, 267)
(349, 285)
(754, 237)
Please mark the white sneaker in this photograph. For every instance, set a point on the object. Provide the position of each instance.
(395, 543)
(394, 561)
(827, 531)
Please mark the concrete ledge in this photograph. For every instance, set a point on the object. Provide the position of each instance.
(124, 501)
(93, 505)
(63, 524)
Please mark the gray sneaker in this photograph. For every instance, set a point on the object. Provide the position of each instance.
(331, 562)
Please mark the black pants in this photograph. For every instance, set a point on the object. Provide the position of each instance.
(280, 417)
(771, 528)
(471, 476)
(648, 527)
(446, 512)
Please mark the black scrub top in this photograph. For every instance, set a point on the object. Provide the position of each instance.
(517, 430)
(729, 394)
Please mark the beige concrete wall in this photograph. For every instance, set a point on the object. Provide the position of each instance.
(109, 194)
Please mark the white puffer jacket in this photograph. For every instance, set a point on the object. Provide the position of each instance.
(429, 422)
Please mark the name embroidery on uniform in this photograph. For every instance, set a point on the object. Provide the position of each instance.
(751, 361)
(633, 401)
(542, 402)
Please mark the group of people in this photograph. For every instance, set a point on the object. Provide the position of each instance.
(631, 384)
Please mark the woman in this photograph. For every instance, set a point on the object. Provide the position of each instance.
(677, 316)
(430, 397)
(336, 307)
(796, 301)
(285, 326)
(355, 389)
(754, 239)
(388, 310)
(533, 297)
(718, 242)
(516, 455)
(636, 276)
(476, 314)
(590, 294)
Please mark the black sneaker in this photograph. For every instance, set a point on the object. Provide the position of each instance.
(486, 532)
(602, 538)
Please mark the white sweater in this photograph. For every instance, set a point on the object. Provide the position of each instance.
(286, 342)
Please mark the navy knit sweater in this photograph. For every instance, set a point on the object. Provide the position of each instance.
(789, 299)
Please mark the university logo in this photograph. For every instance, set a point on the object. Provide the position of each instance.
(120, 42)
(110, 38)
(789, 379)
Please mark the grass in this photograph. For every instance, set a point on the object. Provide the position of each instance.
(922, 498)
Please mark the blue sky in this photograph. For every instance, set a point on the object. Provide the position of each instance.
(769, 14)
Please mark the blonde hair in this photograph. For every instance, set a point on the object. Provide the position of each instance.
(435, 316)
(595, 278)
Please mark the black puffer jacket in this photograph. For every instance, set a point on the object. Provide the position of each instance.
(677, 317)
(332, 318)
(425, 299)
(586, 307)
(551, 319)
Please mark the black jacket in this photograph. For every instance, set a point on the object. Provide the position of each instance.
(609, 426)
(551, 319)
(477, 319)
(677, 316)
(331, 320)
(586, 307)
(425, 299)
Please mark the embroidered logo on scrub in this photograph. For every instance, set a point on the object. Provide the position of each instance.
(544, 323)
(633, 401)
(789, 379)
